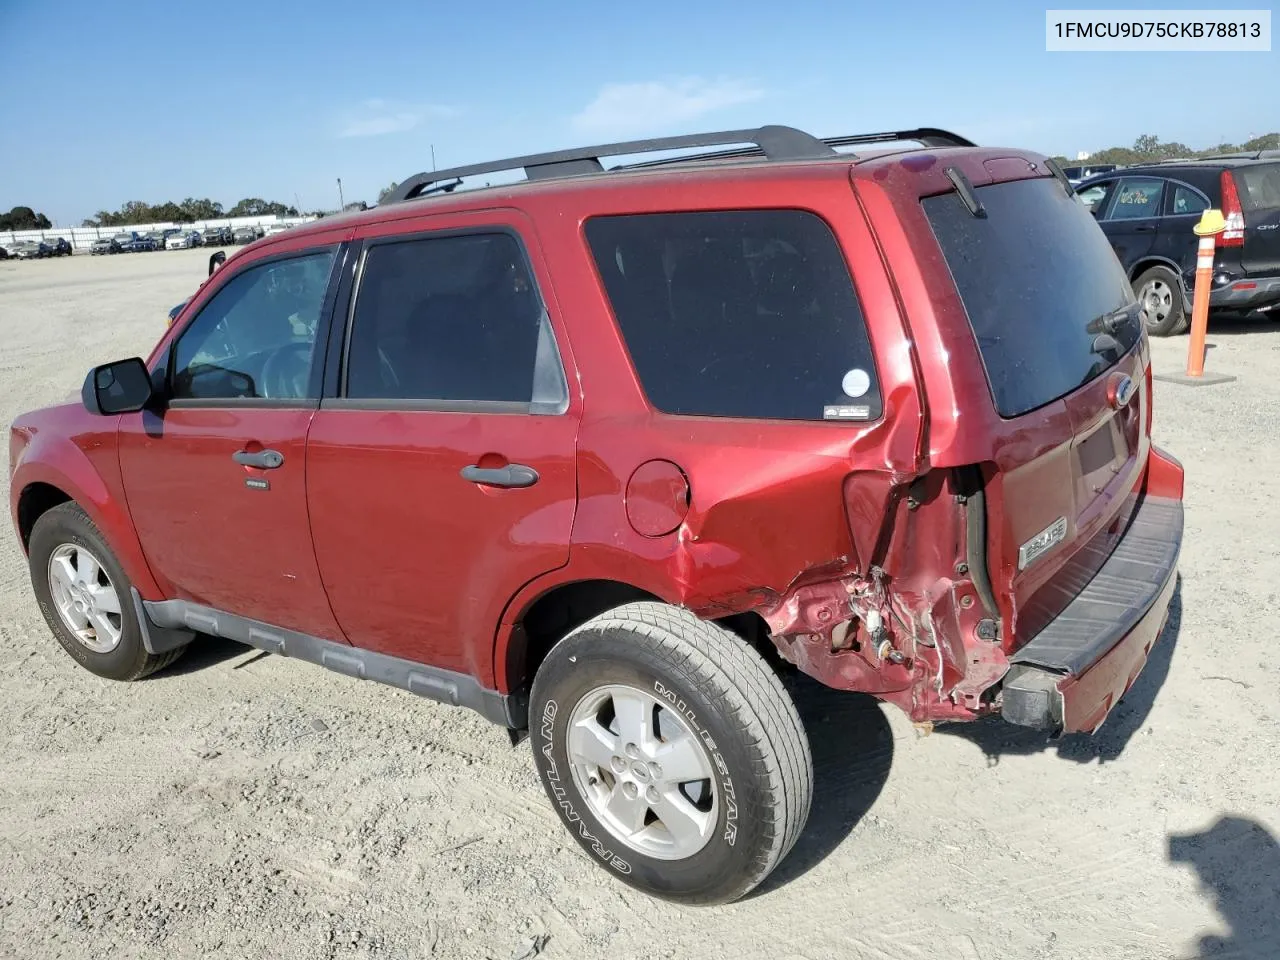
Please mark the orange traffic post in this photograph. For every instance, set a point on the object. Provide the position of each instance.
(1211, 224)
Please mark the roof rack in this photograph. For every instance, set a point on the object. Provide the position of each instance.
(772, 142)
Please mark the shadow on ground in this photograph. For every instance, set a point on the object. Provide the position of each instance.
(1238, 326)
(996, 737)
(204, 652)
(1238, 862)
(852, 749)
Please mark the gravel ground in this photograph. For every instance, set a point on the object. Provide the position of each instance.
(242, 806)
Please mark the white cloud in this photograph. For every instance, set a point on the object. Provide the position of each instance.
(376, 117)
(659, 104)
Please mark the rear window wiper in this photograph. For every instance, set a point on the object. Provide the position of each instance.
(1115, 321)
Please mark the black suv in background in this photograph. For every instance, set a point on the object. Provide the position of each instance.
(1147, 213)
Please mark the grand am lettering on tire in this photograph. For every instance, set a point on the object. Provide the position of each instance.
(730, 795)
(547, 730)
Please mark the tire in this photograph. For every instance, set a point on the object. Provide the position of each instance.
(708, 703)
(1159, 291)
(65, 535)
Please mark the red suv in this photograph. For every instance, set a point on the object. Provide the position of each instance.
(587, 453)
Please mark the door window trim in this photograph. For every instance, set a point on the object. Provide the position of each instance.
(546, 363)
(1169, 182)
(1120, 182)
(319, 358)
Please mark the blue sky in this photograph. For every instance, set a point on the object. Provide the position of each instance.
(110, 102)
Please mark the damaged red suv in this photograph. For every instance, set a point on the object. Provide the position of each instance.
(585, 453)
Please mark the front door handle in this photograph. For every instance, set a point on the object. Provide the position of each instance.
(1144, 228)
(262, 459)
(512, 475)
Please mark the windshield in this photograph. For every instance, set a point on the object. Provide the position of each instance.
(1048, 301)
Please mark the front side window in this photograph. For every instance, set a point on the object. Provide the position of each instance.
(1136, 199)
(1094, 197)
(742, 313)
(256, 337)
(451, 319)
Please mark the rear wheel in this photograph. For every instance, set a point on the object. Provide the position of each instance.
(86, 599)
(671, 752)
(1159, 293)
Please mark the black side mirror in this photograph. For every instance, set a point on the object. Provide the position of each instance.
(217, 260)
(120, 387)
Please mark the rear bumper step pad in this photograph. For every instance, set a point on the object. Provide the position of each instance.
(1071, 673)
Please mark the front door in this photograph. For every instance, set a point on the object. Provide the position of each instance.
(215, 481)
(441, 477)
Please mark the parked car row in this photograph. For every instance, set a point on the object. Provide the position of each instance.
(131, 241)
(37, 249)
(1147, 213)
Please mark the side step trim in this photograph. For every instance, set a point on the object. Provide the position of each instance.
(434, 683)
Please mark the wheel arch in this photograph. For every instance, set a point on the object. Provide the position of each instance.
(533, 624)
(35, 500)
(43, 486)
(1154, 260)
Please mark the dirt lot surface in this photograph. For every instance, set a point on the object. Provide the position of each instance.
(242, 806)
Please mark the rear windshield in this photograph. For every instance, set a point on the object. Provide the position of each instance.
(748, 313)
(1049, 304)
(1259, 186)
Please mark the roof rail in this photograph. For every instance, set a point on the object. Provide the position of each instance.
(929, 136)
(772, 142)
(1244, 155)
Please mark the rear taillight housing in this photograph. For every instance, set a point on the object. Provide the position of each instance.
(1233, 236)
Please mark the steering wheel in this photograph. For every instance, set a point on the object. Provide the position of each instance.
(285, 372)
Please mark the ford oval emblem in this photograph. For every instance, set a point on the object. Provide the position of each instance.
(1121, 391)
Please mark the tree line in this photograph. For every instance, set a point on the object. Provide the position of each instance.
(1149, 148)
(188, 211)
(24, 218)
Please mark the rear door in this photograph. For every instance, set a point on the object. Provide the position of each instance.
(1059, 432)
(1259, 187)
(1132, 217)
(441, 472)
(1175, 239)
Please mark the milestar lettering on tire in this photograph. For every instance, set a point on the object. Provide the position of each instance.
(562, 793)
(730, 798)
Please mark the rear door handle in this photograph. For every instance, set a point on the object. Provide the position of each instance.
(512, 475)
(1144, 228)
(262, 459)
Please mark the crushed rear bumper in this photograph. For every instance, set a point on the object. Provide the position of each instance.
(1070, 675)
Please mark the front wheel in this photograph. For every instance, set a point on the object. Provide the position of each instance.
(1159, 293)
(671, 752)
(86, 599)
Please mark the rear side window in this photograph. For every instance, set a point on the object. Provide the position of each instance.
(1048, 301)
(452, 319)
(738, 314)
(1259, 186)
(1186, 200)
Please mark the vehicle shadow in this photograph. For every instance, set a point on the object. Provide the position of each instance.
(997, 738)
(1238, 326)
(204, 652)
(1238, 861)
(852, 748)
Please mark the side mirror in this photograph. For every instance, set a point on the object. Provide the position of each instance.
(217, 260)
(120, 387)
